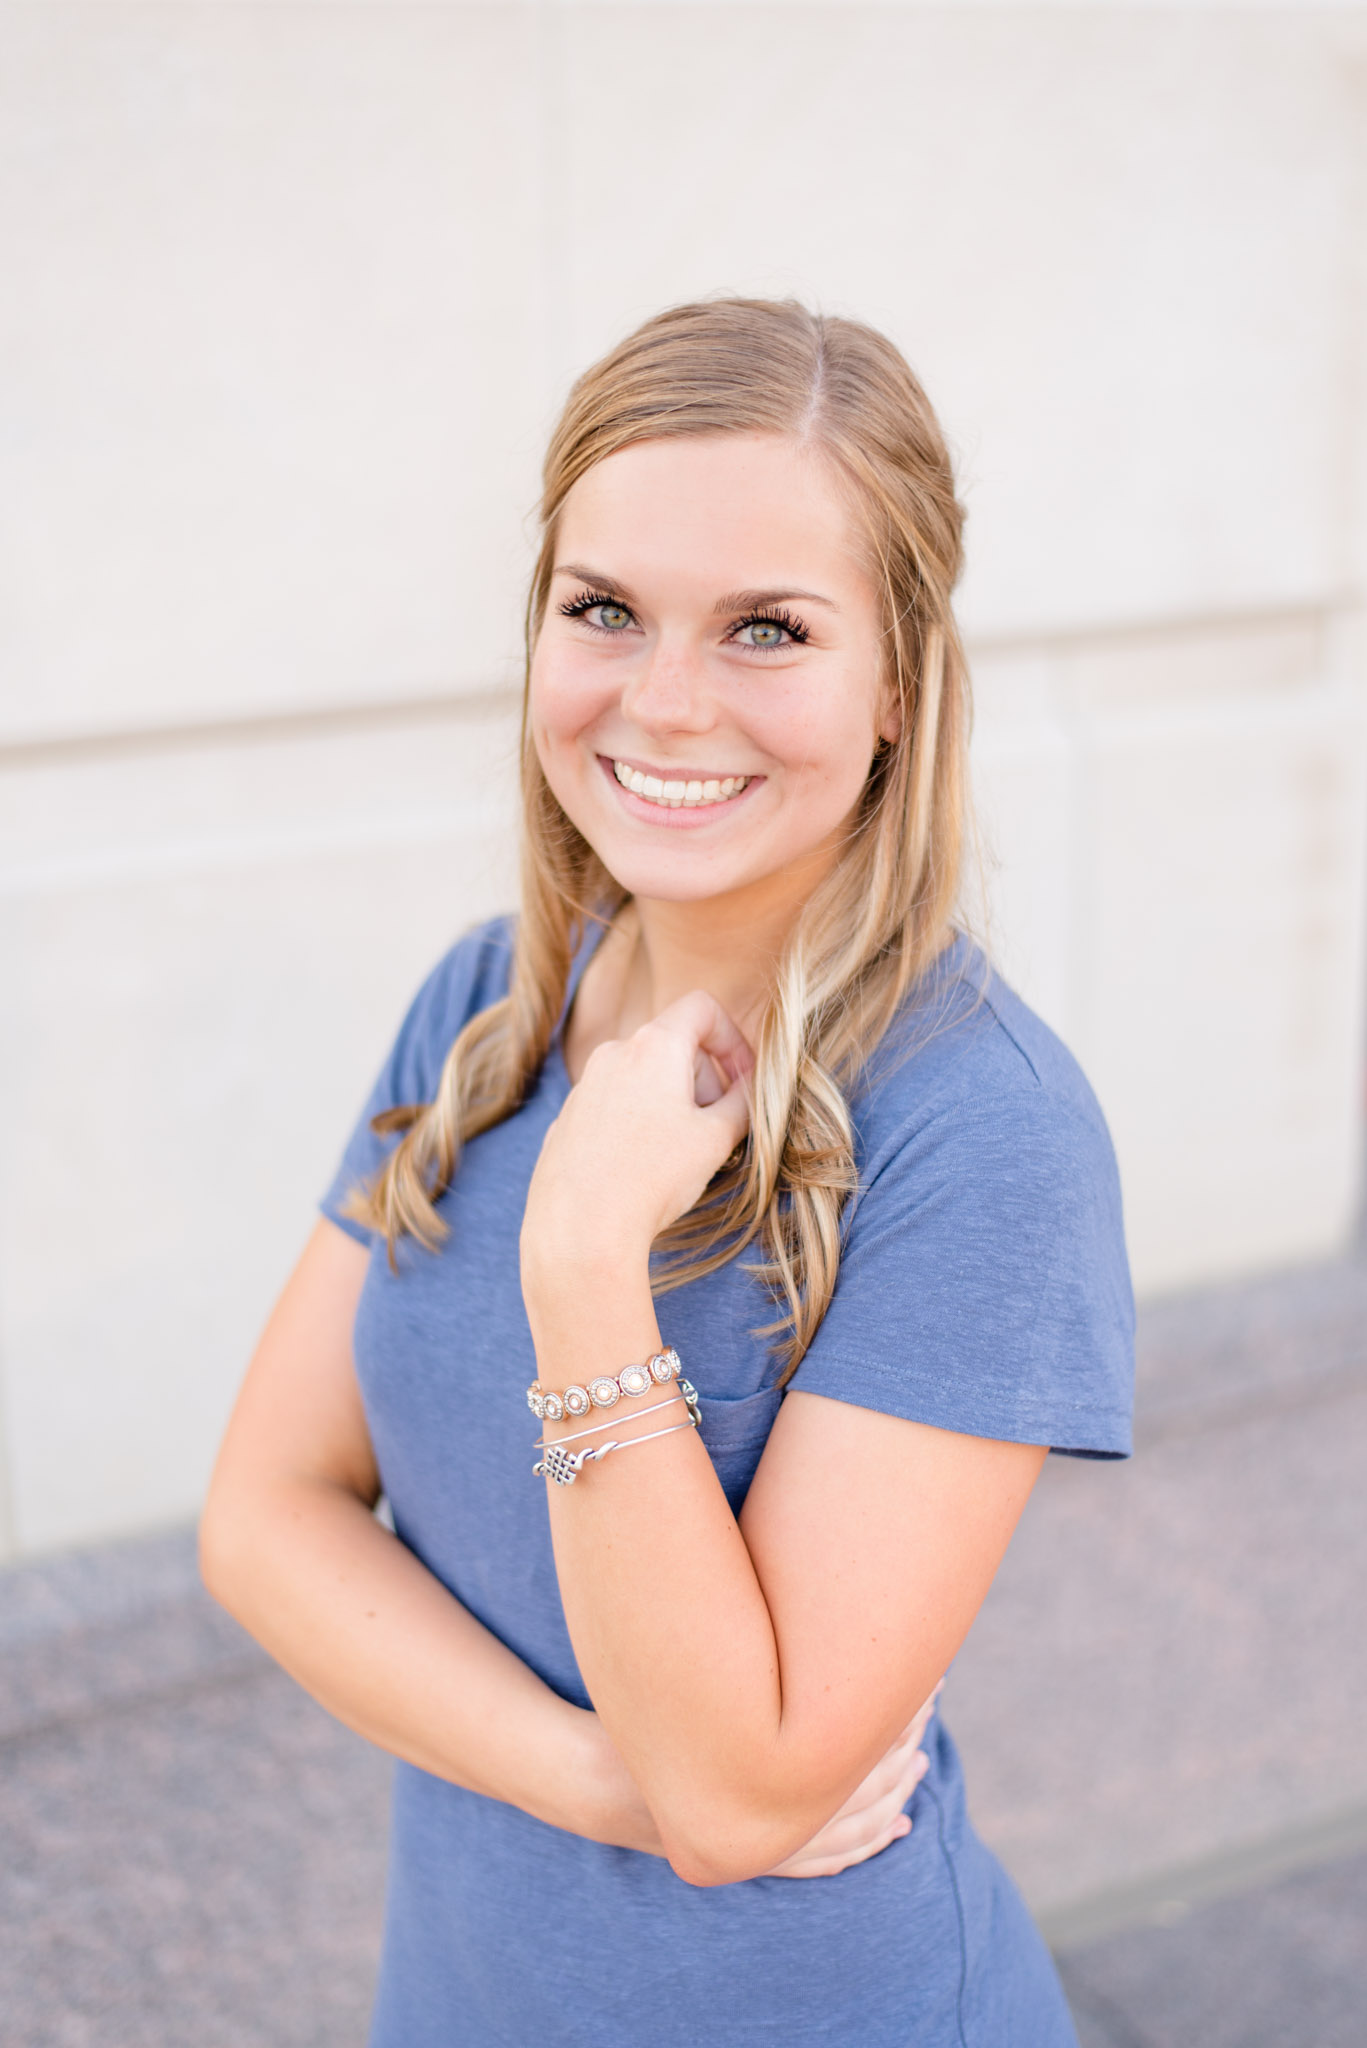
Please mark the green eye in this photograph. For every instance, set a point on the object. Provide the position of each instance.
(599, 614)
(769, 632)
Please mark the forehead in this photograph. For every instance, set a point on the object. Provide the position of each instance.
(727, 511)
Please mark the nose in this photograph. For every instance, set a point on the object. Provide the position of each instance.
(669, 692)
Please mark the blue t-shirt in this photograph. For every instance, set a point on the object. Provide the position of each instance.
(983, 1288)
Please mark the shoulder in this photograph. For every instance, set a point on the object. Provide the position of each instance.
(473, 973)
(968, 1070)
(983, 1284)
(467, 978)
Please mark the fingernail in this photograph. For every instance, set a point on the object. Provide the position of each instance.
(924, 1763)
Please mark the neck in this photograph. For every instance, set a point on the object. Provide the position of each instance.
(657, 951)
(727, 945)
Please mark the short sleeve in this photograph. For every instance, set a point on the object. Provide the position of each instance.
(467, 979)
(984, 1286)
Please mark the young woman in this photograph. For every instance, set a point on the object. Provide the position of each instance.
(734, 1091)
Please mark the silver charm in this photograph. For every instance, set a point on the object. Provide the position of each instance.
(635, 1379)
(561, 1466)
(604, 1392)
(577, 1401)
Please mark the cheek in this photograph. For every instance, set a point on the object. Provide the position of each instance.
(823, 735)
(567, 695)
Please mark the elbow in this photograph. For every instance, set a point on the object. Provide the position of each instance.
(733, 1834)
(731, 1849)
(223, 1551)
(215, 1556)
(696, 1874)
(697, 1864)
(704, 1873)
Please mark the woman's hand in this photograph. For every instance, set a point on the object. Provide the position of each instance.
(650, 1121)
(872, 1817)
(870, 1820)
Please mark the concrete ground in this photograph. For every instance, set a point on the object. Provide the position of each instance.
(1160, 1710)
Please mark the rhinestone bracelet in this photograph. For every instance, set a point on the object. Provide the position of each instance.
(564, 1467)
(605, 1391)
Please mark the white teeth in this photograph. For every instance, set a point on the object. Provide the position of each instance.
(676, 795)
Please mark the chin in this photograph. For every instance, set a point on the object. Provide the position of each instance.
(670, 881)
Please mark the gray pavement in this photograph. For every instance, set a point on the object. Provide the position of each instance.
(1281, 1966)
(1159, 1709)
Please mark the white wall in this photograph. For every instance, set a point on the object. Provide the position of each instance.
(291, 296)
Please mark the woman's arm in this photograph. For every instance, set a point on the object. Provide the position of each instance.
(289, 1545)
(748, 1673)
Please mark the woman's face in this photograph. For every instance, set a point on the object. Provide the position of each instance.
(706, 691)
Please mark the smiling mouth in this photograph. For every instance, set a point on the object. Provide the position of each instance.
(676, 796)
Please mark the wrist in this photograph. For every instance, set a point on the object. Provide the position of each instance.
(570, 1270)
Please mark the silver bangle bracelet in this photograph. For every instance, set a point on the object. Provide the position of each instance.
(687, 1393)
(564, 1466)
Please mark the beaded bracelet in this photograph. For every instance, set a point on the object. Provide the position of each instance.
(564, 1467)
(605, 1391)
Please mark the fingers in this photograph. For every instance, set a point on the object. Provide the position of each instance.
(722, 1063)
(855, 1837)
(900, 1765)
(923, 1715)
(702, 1020)
(856, 1834)
(709, 1083)
(872, 1818)
(897, 1767)
(831, 1866)
(731, 1114)
(888, 1795)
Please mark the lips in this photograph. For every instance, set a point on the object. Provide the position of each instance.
(690, 794)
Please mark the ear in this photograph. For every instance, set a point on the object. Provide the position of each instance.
(890, 725)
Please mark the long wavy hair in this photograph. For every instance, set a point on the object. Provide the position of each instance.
(883, 915)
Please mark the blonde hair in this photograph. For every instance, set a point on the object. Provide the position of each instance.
(882, 916)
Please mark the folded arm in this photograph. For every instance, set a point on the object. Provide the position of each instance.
(290, 1546)
(749, 1672)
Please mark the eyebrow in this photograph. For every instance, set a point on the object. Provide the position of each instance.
(734, 601)
(761, 600)
(595, 578)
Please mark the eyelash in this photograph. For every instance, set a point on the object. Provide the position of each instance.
(577, 607)
(780, 616)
